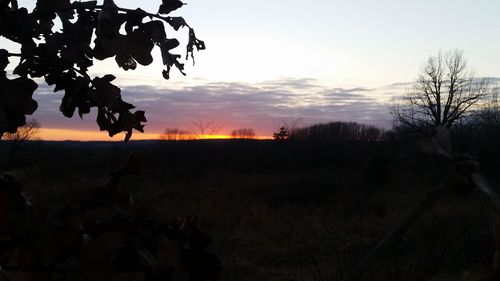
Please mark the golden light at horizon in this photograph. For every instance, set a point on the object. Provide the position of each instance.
(54, 134)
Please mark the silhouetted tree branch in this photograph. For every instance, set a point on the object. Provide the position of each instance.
(201, 129)
(62, 57)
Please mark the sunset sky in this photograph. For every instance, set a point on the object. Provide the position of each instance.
(268, 61)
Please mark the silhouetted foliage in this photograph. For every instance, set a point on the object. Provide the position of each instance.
(338, 131)
(445, 92)
(62, 57)
(243, 133)
(97, 233)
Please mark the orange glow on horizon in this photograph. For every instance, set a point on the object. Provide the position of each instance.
(53, 134)
(222, 137)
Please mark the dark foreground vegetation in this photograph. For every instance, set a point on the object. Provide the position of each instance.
(288, 210)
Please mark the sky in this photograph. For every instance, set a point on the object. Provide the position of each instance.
(271, 61)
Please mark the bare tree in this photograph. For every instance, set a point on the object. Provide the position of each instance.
(176, 134)
(26, 132)
(445, 92)
(202, 130)
(243, 133)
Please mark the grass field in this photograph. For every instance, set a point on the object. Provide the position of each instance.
(285, 210)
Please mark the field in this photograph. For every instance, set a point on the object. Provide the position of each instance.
(286, 210)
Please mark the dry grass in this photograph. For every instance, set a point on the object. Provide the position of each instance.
(290, 212)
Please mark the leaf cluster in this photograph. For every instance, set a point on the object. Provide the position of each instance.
(62, 57)
(97, 236)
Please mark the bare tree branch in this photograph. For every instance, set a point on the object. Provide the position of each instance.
(445, 92)
(23, 133)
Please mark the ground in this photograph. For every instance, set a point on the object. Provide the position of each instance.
(286, 210)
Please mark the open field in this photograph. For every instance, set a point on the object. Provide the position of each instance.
(286, 210)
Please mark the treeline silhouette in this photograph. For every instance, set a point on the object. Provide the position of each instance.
(482, 127)
(339, 131)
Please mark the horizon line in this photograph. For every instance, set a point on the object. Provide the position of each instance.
(57, 134)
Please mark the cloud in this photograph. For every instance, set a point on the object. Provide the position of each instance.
(260, 106)
(400, 84)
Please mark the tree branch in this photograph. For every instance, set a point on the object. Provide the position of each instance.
(88, 6)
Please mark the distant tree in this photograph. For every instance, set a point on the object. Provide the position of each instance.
(287, 128)
(24, 133)
(176, 134)
(445, 92)
(282, 134)
(243, 133)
